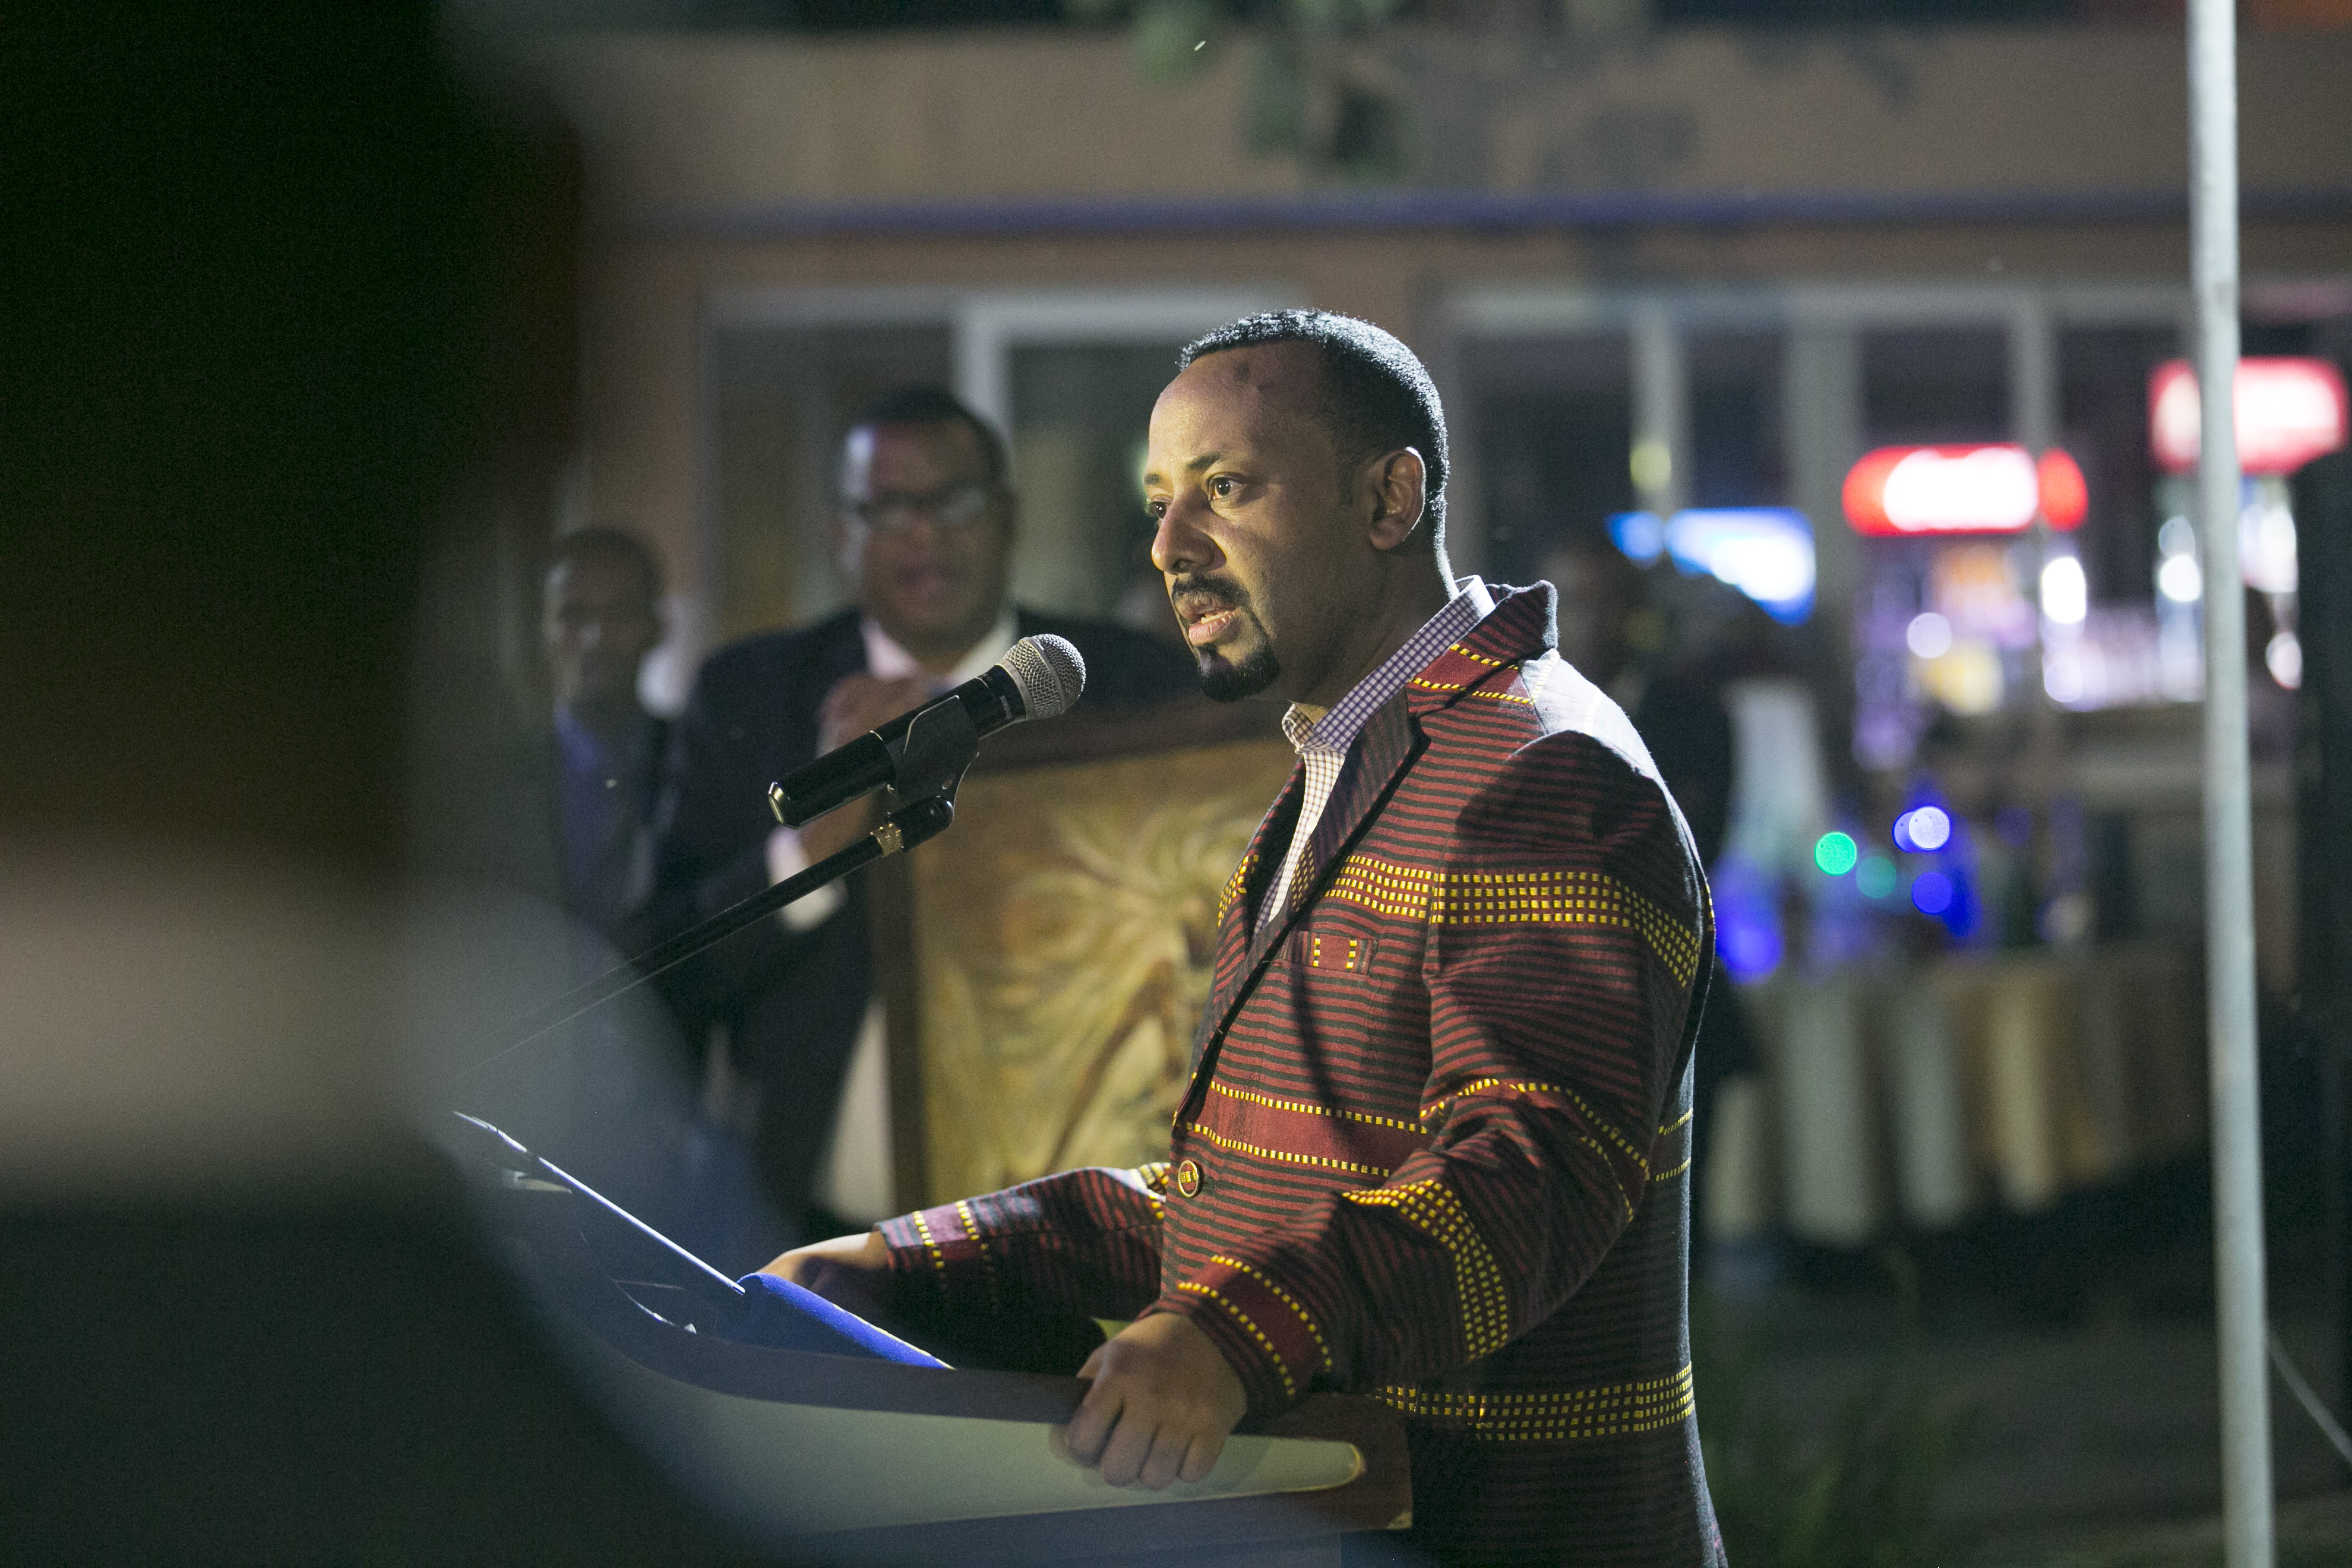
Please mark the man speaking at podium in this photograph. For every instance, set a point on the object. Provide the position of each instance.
(1436, 1145)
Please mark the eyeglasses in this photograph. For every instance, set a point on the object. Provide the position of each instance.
(954, 506)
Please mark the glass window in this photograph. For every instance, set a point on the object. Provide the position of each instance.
(1554, 432)
(782, 397)
(2103, 421)
(1929, 384)
(1943, 624)
(1079, 413)
(1735, 455)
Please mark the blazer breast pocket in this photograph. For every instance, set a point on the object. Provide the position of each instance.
(1333, 953)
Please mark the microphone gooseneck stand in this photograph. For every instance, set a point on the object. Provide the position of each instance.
(940, 745)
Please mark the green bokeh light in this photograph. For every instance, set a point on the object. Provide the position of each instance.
(1877, 877)
(1836, 854)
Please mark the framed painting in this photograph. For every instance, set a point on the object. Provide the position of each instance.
(1043, 963)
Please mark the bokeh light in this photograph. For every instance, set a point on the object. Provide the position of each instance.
(2284, 657)
(1931, 893)
(1746, 917)
(1641, 535)
(2180, 579)
(1836, 854)
(2065, 593)
(1929, 636)
(1751, 952)
(1765, 553)
(1878, 876)
(1929, 828)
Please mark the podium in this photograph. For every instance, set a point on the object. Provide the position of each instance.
(847, 1458)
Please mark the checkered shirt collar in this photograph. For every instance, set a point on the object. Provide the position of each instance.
(1336, 729)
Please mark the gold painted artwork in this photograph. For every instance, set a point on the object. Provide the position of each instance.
(1063, 931)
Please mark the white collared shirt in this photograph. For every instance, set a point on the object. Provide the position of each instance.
(885, 659)
(1323, 740)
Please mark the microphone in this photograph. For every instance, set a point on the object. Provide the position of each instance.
(1038, 678)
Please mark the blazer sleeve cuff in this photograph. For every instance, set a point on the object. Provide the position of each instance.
(935, 1254)
(1268, 1335)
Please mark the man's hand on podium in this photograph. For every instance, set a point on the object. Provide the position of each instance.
(847, 1270)
(1164, 1398)
(1163, 1402)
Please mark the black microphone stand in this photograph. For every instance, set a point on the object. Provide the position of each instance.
(940, 743)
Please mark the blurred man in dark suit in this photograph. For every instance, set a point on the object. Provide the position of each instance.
(600, 618)
(924, 535)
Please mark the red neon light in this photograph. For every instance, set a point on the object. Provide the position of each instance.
(1913, 490)
(2288, 412)
(2065, 499)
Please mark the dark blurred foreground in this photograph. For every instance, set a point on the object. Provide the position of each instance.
(288, 346)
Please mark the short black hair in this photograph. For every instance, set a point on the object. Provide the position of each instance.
(1377, 394)
(936, 405)
(609, 544)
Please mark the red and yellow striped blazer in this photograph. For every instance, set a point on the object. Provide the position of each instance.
(1436, 1144)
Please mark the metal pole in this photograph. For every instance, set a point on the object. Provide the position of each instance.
(2228, 881)
(1662, 413)
(2033, 422)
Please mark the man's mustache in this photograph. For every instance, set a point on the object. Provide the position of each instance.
(1221, 591)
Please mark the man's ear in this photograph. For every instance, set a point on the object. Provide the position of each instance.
(1398, 498)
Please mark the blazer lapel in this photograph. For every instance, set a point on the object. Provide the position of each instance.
(1381, 751)
(1232, 964)
(1387, 742)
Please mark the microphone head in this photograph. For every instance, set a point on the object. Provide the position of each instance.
(1048, 673)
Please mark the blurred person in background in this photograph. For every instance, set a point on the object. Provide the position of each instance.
(924, 535)
(600, 619)
(1677, 706)
(623, 1115)
(1610, 630)
(1601, 599)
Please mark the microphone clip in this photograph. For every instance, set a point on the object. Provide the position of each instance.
(941, 742)
(924, 761)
